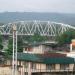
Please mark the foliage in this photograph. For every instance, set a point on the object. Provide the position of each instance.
(9, 50)
(20, 41)
(66, 37)
(35, 38)
(20, 44)
(1, 46)
(57, 17)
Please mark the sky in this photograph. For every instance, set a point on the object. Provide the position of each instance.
(60, 6)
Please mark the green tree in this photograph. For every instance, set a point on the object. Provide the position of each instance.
(20, 42)
(1, 46)
(35, 38)
(9, 50)
(66, 37)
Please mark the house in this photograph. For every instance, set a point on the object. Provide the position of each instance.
(43, 64)
(38, 48)
(35, 60)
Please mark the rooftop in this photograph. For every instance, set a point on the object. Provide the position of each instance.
(46, 59)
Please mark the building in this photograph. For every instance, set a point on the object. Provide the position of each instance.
(45, 64)
(39, 48)
(36, 61)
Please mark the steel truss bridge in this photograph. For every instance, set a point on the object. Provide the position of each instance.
(45, 28)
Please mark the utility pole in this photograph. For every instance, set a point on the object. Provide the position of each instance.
(14, 57)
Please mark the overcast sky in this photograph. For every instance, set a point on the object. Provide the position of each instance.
(63, 6)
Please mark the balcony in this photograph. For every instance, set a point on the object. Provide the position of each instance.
(45, 70)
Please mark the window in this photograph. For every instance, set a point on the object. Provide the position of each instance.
(20, 63)
(50, 66)
(64, 66)
(33, 66)
(26, 64)
(28, 49)
(73, 48)
(7, 62)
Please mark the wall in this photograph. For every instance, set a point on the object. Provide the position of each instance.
(37, 49)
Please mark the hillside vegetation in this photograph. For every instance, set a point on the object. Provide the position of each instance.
(19, 16)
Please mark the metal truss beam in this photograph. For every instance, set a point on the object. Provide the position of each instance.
(45, 28)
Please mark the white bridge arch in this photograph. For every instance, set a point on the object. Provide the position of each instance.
(45, 28)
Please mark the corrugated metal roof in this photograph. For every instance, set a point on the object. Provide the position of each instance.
(28, 57)
(43, 59)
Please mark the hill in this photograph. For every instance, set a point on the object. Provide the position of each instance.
(6, 17)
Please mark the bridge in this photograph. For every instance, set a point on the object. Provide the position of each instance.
(45, 28)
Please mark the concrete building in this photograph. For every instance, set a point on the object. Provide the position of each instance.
(36, 61)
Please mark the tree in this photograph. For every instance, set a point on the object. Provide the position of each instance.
(1, 46)
(9, 50)
(66, 37)
(20, 42)
(37, 38)
(34, 38)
